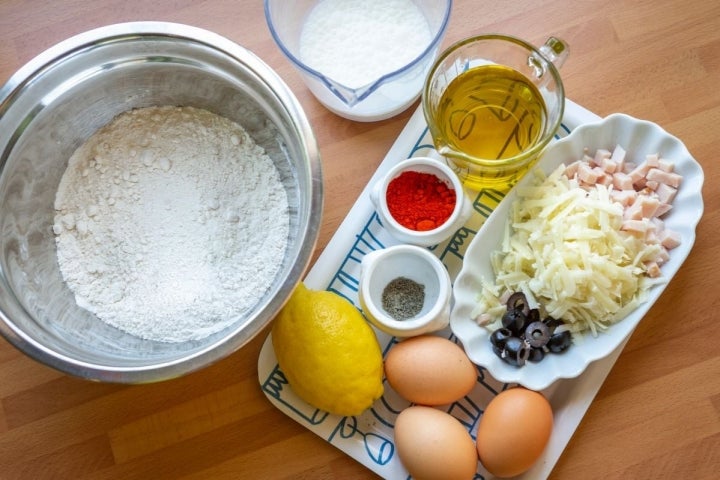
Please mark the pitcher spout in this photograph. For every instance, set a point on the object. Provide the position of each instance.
(349, 96)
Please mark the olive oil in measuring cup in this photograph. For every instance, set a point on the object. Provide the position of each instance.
(491, 112)
(492, 103)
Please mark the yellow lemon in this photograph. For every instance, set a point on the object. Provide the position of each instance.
(328, 353)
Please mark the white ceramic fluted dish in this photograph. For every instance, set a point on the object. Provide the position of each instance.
(638, 138)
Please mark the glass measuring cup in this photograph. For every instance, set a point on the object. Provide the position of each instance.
(492, 104)
(383, 97)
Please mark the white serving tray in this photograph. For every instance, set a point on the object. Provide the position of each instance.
(368, 438)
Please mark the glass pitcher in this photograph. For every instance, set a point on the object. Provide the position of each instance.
(378, 99)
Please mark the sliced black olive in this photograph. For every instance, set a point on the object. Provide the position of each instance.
(515, 352)
(559, 342)
(498, 337)
(518, 301)
(553, 323)
(533, 315)
(536, 354)
(537, 334)
(514, 320)
(513, 344)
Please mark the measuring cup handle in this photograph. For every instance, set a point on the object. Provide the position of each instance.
(555, 50)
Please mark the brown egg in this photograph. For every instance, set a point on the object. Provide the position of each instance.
(514, 431)
(434, 445)
(429, 370)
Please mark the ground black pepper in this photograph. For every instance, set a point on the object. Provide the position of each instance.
(403, 298)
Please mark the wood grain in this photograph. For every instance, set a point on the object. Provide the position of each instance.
(657, 416)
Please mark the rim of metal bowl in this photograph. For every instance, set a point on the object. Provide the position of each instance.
(244, 332)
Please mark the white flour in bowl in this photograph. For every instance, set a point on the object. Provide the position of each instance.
(170, 223)
(355, 43)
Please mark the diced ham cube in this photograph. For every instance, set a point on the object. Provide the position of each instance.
(651, 184)
(484, 319)
(653, 270)
(651, 237)
(663, 209)
(600, 155)
(636, 227)
(622, 181)
(571, 170)
(669, 239)
(603, 177)
(587, 174)
(633, 211)
(662, 257)
(668, 178)
(652, 160)
(648, 206)
(638, 173)
(666, 193)
(618, 157)
(609, 165)
(658, 222)
(624, 197)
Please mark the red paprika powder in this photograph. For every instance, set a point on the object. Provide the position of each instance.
(420, 201)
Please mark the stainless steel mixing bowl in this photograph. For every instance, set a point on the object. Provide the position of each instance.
(53, 104)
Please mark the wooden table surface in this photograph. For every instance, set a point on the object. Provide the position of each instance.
(657, 416)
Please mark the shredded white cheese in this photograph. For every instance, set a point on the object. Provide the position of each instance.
(564, 248)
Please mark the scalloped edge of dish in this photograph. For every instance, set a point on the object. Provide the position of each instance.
(638, 138)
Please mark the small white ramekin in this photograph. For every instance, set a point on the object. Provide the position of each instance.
(460, 215)
(418, 264)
